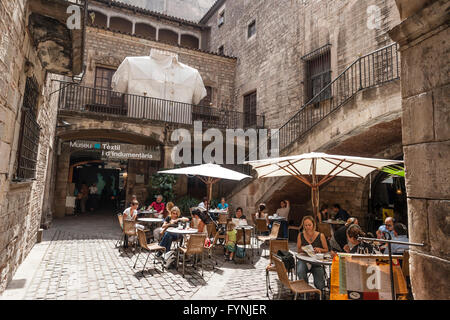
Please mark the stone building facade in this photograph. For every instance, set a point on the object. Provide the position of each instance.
(276, 47)
(423, 35)
(28, 120)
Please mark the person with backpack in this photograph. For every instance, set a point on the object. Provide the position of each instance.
(317, 240)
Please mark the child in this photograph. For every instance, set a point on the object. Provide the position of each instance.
(231, 240)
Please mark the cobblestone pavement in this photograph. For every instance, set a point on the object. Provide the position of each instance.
(80, 262)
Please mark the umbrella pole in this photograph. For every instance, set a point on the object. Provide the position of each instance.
(314, 190)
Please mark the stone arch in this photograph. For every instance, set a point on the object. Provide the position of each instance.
(98, 19)
(168, 36)
(120, 24)
(145, 30)
(189, 41)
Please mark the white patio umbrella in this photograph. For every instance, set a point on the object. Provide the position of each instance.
(208, 173)
(318, 164)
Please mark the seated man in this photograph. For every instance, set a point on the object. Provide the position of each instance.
(400, 234)
(340, 236)
(386, 228)
(340, 214)
(158, 205)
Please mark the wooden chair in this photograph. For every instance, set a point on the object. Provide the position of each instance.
(120, 218)
(129, 229)
(260, 227)
(222, 220)
(248, 239)
(273, 234)
(274, 246)
(324, 228)
(150, 247)
(296, 286)
(195, 246)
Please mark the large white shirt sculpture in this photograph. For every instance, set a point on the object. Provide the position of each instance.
(161, 76)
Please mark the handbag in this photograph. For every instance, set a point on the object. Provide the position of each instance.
(287, 258)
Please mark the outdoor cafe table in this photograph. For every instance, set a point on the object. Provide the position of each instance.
(246, 227)
(183, 232)
(277, 218)
(151, 220)
(144, 212)
(335, 224)
(323, 262)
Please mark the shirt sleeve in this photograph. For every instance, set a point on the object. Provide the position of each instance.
(120, 78)
(199, 89)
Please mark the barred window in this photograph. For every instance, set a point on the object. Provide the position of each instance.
(29, 134)
(318, 69)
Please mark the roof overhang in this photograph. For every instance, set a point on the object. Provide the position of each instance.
(57, 28)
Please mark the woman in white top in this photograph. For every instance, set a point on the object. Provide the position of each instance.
(130, 214)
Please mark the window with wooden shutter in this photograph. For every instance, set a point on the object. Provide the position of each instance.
(318, 74)
(250, 109)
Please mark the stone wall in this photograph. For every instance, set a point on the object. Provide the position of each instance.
(423, 36)
(270, 61)
(20, 202)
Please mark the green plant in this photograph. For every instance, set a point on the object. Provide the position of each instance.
(162, 184)
(394, 170)
(185, 203)
(214, 203)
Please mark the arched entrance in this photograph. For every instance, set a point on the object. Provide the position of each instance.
(98, 171)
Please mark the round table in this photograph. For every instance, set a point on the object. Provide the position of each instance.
(323, 262)
(278, 218)
(154, 220)
(334, 221)
(147, 212)
(182, 231)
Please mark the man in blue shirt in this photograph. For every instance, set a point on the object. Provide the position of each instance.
(340, 214)
(388, 227)
(400, 234)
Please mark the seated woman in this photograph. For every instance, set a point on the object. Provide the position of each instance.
(223, 205)
(323, 213)
(171, 221)
(311, 237)
(203, 219)
(260, 214)
(164, 215)
(130, 214)
(361, 247)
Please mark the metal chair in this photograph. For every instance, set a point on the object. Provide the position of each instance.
(150, 247)
(120, 218)
(273, 234)
(296, 286)
(248, 237)
(195, 245)
(274, 246)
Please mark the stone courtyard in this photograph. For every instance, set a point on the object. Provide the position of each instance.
(77, 260)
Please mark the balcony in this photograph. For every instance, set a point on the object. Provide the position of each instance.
(77, 98)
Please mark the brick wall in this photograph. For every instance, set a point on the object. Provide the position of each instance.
(20, 203)
(270, 61)
(107, 48)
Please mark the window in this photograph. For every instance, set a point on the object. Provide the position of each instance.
(250, 109)
(206, 101)
(221, 20)
(29, 135)
(251, 29)
(318, 76)
(221, 50)
(112, 101)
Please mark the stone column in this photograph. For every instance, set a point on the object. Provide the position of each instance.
(424, 36)
(167, 154)
(61, 182)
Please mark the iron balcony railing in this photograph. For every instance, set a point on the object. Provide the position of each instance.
(75, 97)
(375, 68)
